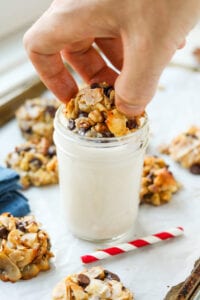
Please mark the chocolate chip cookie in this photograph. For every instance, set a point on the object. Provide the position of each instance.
(185, 149)
(94, 283)
(24, 248)
(158, 182)
(35, 162)
(35, 118)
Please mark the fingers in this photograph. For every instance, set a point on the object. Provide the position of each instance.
(45, 53)
(144, 62)
(87, 61)
(43, 48)
(55, 75)
(112, 48)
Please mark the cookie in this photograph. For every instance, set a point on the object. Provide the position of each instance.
(24, 248)
(94, 283)
(35, 162)
(158, 183)
(185, 149)
(92, 113)
(35, 118)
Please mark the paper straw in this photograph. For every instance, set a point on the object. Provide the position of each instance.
(133, 245)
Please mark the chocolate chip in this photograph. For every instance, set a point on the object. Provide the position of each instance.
(51, 151)
(23, 149)
(36, 162)
(195, 169)
(48, 244)
(27, 129)
(83, 280)
(51, 110)
(3, 232)
(21, 226)
(83, 114)
(107, 90)
(111, 275)
(71, 124)
(131, 124)
(107, 134)
(191, 135)
(94, 85)
(147, 196)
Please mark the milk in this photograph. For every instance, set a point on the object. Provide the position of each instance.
(99, 181)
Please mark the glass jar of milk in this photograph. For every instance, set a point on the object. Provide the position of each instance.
(99, 180)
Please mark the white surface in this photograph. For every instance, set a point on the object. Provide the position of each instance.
(17, 13)
(148, 272)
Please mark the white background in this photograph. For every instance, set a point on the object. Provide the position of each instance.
(15, 14)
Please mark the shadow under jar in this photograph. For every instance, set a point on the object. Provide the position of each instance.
(99, 180)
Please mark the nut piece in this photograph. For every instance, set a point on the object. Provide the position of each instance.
(116, 123)
(8, 270)
(94, 283)
(158, 183)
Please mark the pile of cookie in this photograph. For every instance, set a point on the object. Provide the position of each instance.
(35, 160)
(92, 113)
(25, 250)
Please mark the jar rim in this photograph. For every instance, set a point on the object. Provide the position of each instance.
(95, 141)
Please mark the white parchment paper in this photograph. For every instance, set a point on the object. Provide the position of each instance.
(151, 271)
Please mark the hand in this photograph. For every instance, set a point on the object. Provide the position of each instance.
(138, 37)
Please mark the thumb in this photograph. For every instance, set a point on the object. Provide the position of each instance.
(137, 83)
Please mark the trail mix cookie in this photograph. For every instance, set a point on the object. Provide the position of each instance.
(35, 162)
(94, 283)
(158, 183)
(24, 248)
(185, 149)
(93, 113)
(35, 118)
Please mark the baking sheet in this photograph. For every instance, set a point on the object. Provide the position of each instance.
(151, 271)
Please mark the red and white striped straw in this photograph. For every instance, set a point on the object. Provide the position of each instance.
(133, 245)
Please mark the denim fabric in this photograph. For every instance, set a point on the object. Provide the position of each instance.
(11, 200)
(8, 180)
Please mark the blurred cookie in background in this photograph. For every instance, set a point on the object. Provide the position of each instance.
(158, 182)
(35, 118)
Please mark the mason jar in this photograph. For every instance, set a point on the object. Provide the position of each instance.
(99, 180)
